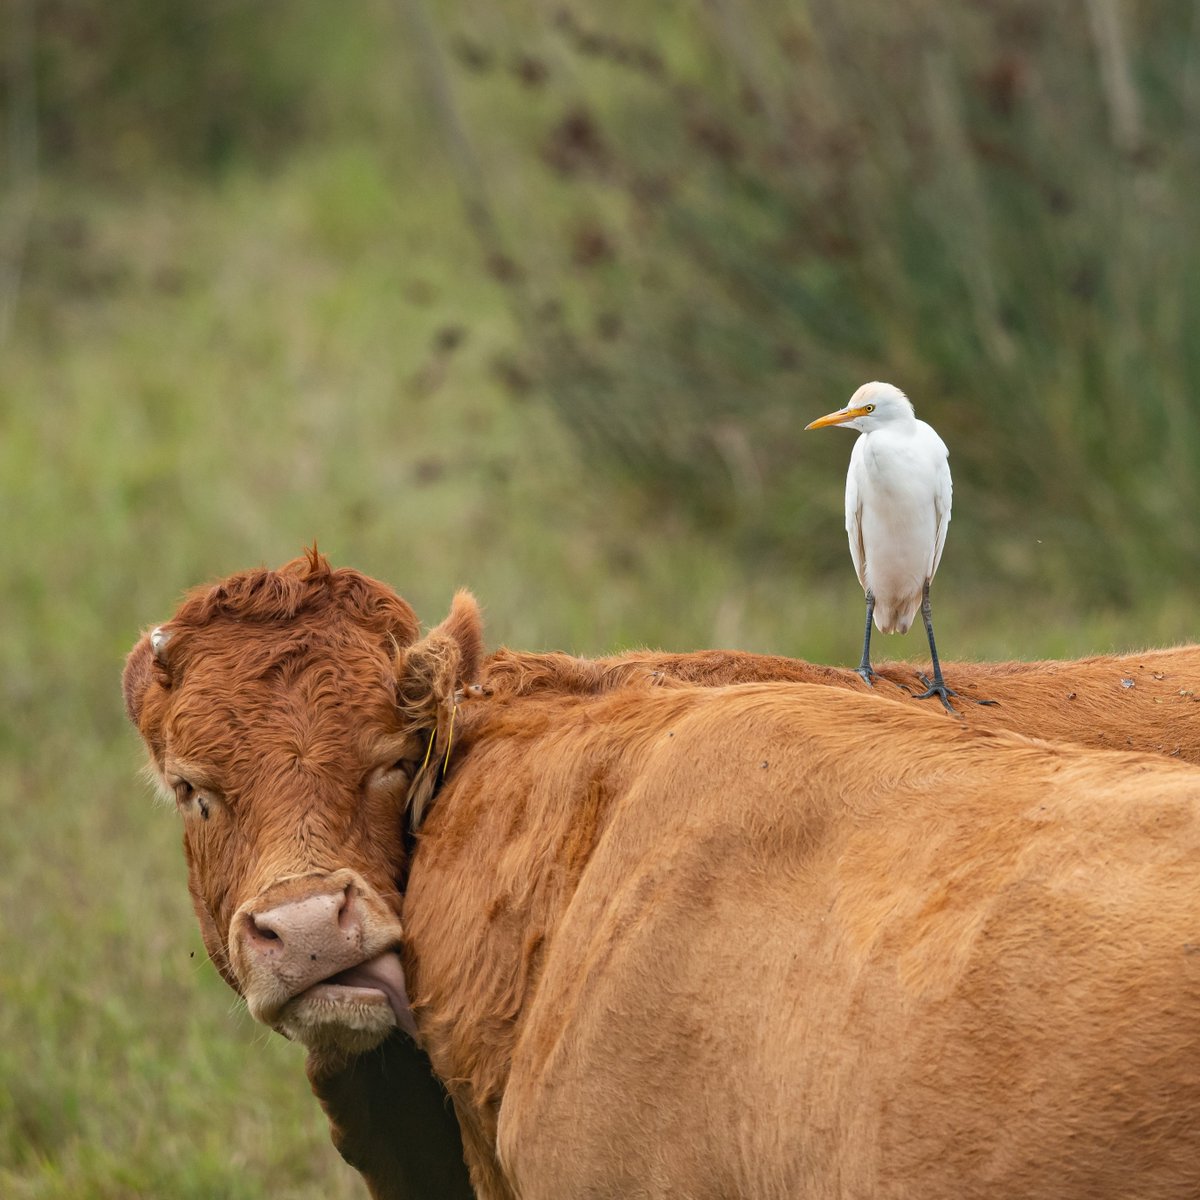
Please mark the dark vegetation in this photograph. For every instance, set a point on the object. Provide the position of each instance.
(710, 227)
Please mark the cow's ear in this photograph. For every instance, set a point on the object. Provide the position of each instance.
(430, 676)
(464, 626)
(146, 664)
(429, 673)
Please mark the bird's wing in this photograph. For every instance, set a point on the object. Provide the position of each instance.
(854, 513)
(943, 492)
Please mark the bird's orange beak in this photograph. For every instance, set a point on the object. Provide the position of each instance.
(837, 418)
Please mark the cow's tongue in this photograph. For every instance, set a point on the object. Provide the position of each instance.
(385, 974)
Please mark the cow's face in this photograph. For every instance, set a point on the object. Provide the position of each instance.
(289, 752)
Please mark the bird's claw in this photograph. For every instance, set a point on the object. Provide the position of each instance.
(943, 691)
(939, 689)
(866, 675)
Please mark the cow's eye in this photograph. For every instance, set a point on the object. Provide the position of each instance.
(187, 798)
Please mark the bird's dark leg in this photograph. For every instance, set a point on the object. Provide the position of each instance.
(938, 687)
(863, 670)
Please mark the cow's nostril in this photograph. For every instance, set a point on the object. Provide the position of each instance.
(345, 908)
(261, 930)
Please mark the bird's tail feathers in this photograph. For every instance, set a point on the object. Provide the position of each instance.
(896, 618)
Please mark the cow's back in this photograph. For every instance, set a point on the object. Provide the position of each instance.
(797, 967)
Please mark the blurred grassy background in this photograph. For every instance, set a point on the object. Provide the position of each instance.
(536, 299)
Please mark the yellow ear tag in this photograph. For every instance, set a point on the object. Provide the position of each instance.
(428, 750)
(449, 739)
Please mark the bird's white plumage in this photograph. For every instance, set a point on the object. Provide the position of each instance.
(898, 497)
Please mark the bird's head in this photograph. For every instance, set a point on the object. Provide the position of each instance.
(871, 407)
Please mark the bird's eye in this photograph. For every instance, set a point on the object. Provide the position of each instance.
(870, 408)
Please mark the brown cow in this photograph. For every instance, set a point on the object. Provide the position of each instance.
(752, 941)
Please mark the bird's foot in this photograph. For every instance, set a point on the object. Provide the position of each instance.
(943, 691)
(939, 689)
(866, 674)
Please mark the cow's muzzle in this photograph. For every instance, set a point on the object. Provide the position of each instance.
(317, 959)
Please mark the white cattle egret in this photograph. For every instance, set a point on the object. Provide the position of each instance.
(897, 512)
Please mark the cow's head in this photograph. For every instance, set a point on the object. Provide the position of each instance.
(291, 716)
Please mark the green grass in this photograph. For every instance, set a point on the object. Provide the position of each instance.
(208, 374)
